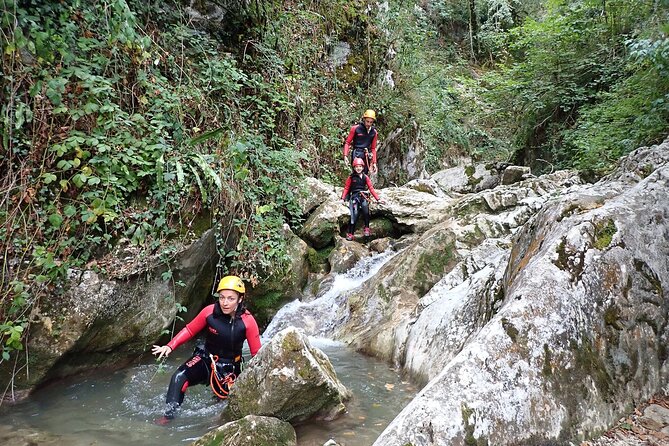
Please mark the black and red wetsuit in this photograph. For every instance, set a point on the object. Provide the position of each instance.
(359, 139)
(224, 338)
(355, 190)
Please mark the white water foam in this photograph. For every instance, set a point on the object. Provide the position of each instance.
(319, 318)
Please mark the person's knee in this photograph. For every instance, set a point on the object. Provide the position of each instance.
(178, 385)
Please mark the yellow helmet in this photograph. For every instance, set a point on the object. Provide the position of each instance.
(369, 114)
(231, 283)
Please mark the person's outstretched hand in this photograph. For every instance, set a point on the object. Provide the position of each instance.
(374, 169)
(346, 159)
(161, 351)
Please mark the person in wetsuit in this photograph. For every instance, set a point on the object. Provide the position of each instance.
(228, 323)
(356, 189)
(361, 142)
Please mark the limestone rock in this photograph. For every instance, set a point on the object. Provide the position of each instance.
(322, 225)
(570, 330)
(346, 254)
(515, 174)
(102, 321)
(290, 380)
(313, 192)
(250, 430)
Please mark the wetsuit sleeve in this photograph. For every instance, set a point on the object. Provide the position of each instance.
(252, 333)
(347, 187)
(191, 329)
(370, 186)
(372, 147)
(349, 141)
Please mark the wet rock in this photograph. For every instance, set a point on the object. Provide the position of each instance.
(288, 379)
(380, 244)
(14, 436)
(106, 321)
(346, 254)
(287, 283)
(250, 430)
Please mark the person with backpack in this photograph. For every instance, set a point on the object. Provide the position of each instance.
(357, 188)
(226, 324)
(361, 142)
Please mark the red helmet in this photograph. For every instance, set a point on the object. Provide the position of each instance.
(358, 162)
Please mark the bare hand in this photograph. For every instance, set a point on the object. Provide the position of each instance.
(374, 169)
(161, 351)
(346, 159)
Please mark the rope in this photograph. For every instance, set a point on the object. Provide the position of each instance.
(220, 385)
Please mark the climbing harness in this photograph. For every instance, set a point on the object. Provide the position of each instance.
(220, 385)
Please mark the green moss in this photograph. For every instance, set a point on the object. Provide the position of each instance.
(318, 258)
(646, 170)
(588, 362)
(561, 261)
(471, 180)
(475, 237)
(291, 343)
(612, 317)
(469, 428)
(383, 293)
(431, 266)
(510, 329)
(604, 234)
(547, 368)
(473, 206)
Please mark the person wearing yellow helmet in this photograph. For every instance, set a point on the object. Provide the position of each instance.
(361, 141)
(228, 324)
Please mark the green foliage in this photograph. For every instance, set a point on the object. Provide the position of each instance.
(571, 93)
(110, 138)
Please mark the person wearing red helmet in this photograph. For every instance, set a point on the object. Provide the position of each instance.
(228, 324)
(361, 141)
(356, 190)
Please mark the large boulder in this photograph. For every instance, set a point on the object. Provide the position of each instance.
(324, 223)
(572, 330)
(290, 380)
(466, 179)
(313, 192)
(411, 210)
(106, 321)
(345, 255)
(250, 430)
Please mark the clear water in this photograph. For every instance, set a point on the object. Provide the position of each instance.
(118, 409)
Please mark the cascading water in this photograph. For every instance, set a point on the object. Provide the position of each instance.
(117, 409)
(321, 316)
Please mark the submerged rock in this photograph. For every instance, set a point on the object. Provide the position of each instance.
(290, 380)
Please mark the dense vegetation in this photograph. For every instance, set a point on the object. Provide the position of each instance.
(128, 123)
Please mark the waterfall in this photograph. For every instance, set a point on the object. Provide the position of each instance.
(319, 317)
